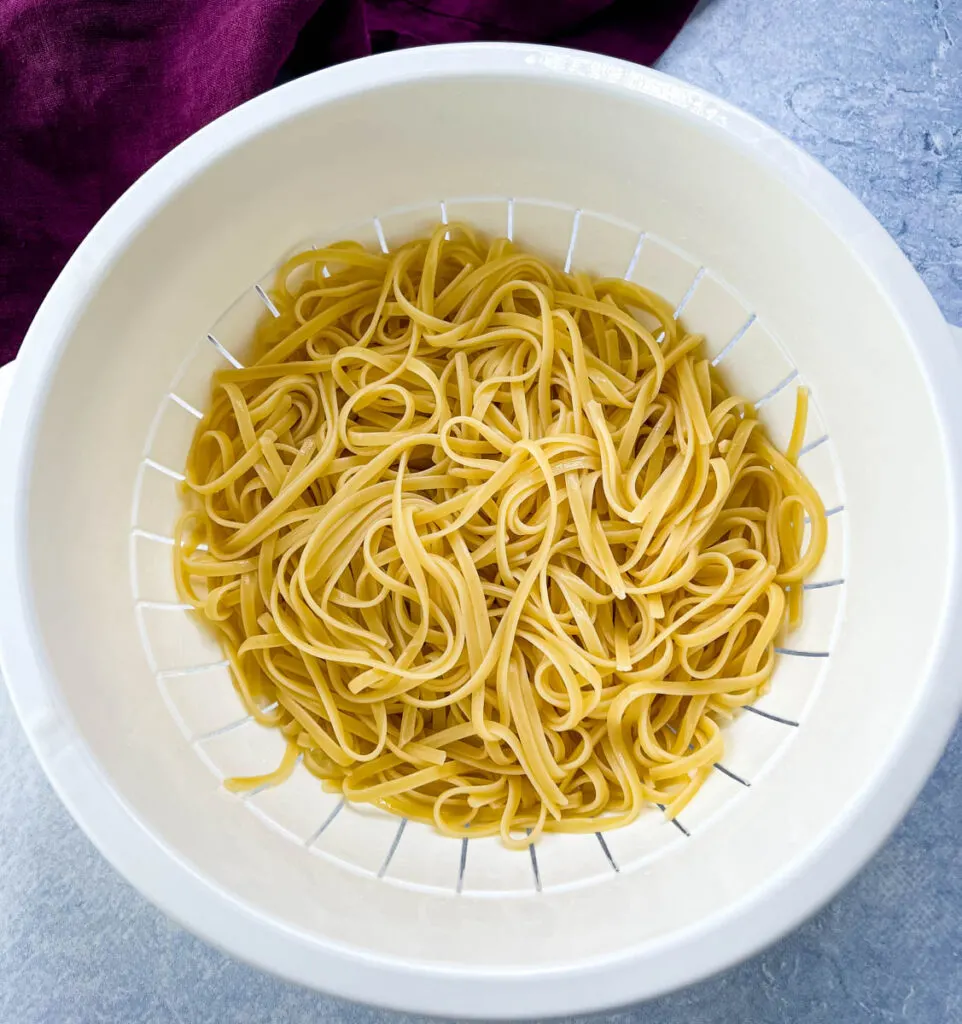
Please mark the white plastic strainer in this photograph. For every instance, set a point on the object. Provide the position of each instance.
(612, 169)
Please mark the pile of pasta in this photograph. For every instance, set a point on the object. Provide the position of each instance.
(489, 543)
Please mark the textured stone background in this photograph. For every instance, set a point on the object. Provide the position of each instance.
(873, 88)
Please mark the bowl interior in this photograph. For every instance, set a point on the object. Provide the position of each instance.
(194, 679)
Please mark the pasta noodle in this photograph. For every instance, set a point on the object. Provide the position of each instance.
(489, 543)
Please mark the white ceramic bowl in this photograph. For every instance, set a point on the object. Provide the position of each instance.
(618, 170)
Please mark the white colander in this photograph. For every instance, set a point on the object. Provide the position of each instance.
(614, 170)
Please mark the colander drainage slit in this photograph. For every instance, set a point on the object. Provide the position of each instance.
(573, 241)
(313, 838)
(236, 363)
(268, 301)
(379, 231)
(635, 256)
(681, 828)
(771, 717)
(462, 864)
(607, 852)
(510, 220)
(823, 585)
(732, 775)
(186, 406)
(812, 445)
(686, 298)
(192, 670)
(230, 727)
(792, 652)
(157, 538)
(717, 764)
(394, 845)
(736, 338)
(534, 865)
(444, 218)
(780, 386)
(166, 470)
(829, 512)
